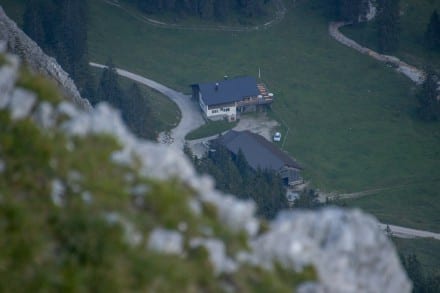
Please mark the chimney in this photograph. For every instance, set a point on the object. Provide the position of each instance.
(216, 86)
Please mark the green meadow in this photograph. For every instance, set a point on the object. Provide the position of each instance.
(351, 119)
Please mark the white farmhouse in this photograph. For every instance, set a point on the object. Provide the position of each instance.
(228, 97)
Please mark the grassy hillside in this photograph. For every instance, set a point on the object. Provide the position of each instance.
(350, 117)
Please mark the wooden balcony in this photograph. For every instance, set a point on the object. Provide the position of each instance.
(263, 98)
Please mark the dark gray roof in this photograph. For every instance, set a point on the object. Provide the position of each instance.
(259, 152)
(229, 90)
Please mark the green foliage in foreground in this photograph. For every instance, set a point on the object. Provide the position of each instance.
(45, 89)
(210, 128)
(78, 240)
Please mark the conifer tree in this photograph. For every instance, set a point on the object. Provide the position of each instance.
(221, 8)
(432, 34)
(60, 28)
(207, 9)
(429, 102)
(388, 25)
(137, 113)
(32, 21)
(109, 89)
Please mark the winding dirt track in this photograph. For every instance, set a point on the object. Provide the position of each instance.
(191, 117)
(413, 73)
(278, 17)
(403, 232)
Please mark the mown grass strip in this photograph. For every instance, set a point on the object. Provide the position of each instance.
(210, 128)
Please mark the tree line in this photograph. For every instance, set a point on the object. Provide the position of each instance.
(423, 281)
(388, 29)
(234, 175)
(345, 10)
(387, 22)
(135, 107)
(60, 29)
(205, 9)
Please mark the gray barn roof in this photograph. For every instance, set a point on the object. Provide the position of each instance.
(229, 90)
(259, 152)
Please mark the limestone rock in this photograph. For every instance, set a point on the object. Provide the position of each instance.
(166, 241)
(217, 254)
(21, 103)
(347, 248)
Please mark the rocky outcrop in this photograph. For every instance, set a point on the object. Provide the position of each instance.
(346, 247)
(19, 43)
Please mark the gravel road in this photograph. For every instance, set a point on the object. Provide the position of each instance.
(191, 116)
(403, 232)
(413, 73)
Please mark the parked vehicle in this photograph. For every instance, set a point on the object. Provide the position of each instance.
(277, 136)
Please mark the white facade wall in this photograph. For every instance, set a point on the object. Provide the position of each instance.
(221, 111)
(202, 105)
(218, 112)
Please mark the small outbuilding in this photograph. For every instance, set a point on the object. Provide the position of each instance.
(262, 154)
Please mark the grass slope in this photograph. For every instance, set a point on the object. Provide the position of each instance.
(350, 117)
(210, 128)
